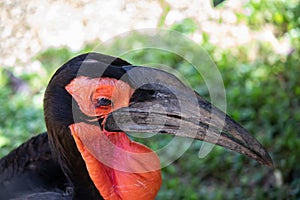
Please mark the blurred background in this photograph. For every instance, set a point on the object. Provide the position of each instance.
(254, 43)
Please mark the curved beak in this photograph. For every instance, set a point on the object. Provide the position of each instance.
(162, 104)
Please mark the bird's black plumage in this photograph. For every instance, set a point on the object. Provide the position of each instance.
(31, 171)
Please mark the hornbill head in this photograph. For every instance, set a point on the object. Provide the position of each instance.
(93, 99)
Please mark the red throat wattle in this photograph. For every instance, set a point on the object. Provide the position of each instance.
(120, 168)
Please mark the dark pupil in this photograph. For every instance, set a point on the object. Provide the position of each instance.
(103, 102)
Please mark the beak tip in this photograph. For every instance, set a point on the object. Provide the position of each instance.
(264, 158)
(269, 162)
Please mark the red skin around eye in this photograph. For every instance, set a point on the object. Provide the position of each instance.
(86, 91)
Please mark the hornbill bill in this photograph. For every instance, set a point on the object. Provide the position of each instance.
(85, 154)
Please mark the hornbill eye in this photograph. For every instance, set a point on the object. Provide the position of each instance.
(103, 102)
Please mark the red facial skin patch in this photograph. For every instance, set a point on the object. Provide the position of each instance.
(119, 167)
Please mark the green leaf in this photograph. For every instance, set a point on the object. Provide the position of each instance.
(217, 2)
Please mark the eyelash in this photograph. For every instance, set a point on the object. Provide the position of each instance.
(103, 102)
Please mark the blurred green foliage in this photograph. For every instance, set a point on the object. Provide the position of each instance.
(262, 94)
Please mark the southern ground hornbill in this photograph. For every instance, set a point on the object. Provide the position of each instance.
(89, 103)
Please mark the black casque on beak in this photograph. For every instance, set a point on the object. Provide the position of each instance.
(162, 104)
